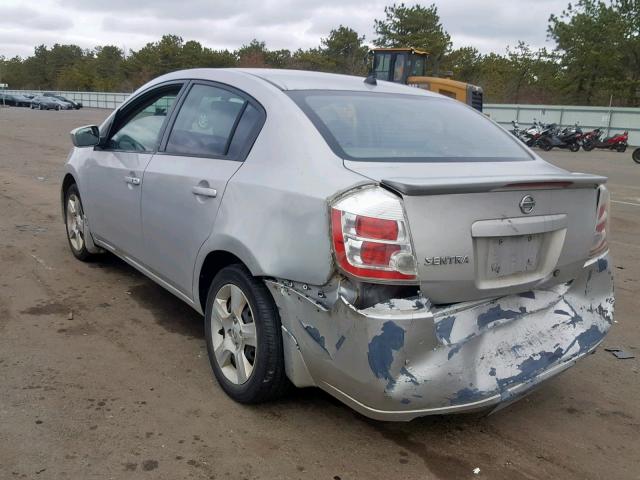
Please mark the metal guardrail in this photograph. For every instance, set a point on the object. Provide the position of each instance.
(614, 119)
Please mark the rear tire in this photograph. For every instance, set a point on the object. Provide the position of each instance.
(74, 223)
(574, 147)
(621, 147)
(546, 146)
(636, 155)
(240, 312)
(587, 146)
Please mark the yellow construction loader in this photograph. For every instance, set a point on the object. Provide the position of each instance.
(409, 66)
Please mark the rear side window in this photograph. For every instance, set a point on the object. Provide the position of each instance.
(206, 121)
(371, 126)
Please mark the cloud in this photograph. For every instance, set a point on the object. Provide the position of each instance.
(16, 17)
(489, 25)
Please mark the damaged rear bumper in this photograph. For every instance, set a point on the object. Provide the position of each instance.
(404, 359)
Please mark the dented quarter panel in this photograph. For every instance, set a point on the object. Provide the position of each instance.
(406, 358)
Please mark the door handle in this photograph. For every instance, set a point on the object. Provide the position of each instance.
(204, 191)
(132, 180)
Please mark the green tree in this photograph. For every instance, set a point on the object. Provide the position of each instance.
(346, 50)
(594, 40)
(416, 26)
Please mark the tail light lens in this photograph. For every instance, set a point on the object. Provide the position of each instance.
(600, 244)
(370, 235)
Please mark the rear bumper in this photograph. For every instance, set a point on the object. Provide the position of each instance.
(404, 359)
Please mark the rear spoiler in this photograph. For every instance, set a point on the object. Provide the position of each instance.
(452, 185)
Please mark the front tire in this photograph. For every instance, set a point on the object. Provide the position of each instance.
(574, 147)
(75, 224)
(244, 337)
(588, 146)
(636, 155)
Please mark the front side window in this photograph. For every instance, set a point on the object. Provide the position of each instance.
(371, 126)
(140, 131)
(382, 65)
(398, 68)
(206, 122)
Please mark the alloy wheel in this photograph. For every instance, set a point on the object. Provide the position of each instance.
(75, 222)
(233, 332)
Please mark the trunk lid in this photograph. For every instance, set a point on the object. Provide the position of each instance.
(484, 229)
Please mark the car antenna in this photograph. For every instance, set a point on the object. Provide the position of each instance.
(371, 79)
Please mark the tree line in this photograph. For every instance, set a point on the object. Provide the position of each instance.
(595, 60)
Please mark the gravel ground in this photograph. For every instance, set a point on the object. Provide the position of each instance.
(104, 375)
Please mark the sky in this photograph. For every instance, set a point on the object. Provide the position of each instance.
(488, 25)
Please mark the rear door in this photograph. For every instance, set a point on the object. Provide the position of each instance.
(211, 134)
(114, 173)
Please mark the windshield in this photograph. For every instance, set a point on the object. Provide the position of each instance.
(371, 126)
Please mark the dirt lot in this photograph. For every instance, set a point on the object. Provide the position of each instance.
(105, 375)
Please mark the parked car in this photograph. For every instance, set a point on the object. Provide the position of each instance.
(75, 105)
(345, 235)
(41, 102)
(14, 100)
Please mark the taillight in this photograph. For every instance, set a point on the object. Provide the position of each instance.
(600, 244)
(370, 235)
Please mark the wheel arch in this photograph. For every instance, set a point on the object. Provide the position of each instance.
(68, 180)
(213, 262)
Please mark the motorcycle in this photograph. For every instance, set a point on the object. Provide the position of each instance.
(617, 142)
(636, 155)
(567, 138)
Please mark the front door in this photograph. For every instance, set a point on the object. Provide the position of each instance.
(115, 171)
(185, 181)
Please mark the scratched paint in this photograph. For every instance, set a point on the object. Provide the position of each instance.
(381, 348)
(340, 342)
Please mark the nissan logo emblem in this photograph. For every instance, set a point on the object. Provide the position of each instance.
(527, 204)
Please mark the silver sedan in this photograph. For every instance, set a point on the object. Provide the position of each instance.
(391, 246)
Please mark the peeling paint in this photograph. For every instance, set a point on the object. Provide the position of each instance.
(340, 342)
(444, 327)
(492, 372)
(381, 348)
(530, 294)
(315, 334)
(602, 264)
(531, 367)
(468, 395)
(453, 351)
(497, 313)
(405, 401)
(587, 339)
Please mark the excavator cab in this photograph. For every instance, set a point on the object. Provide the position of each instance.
(409, 66)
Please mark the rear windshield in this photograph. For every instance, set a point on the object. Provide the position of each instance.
(405, 128)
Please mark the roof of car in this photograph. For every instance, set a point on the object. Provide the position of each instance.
(300, 80)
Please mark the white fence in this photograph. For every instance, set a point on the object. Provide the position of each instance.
(613, 120)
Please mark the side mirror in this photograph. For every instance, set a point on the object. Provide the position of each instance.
(87, 136)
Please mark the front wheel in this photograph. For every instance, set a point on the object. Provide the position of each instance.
(244, 337)
(75, 223)
(636, 155)
(587, 146)
(621, 147)
(574, 147)
(546, 146)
